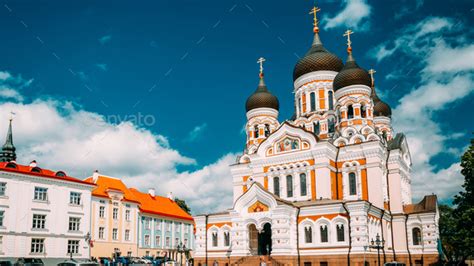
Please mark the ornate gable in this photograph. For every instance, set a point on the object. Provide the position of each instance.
(286, 139)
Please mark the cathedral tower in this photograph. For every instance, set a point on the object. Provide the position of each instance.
(8, 150)
(382, 113)
(262, 113)
(314, 97)
(352, 88)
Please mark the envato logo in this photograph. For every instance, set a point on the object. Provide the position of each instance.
(139, 119)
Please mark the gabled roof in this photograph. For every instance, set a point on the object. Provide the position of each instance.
(427, 204)
(105, 184)
(159, 205)
(40, 172)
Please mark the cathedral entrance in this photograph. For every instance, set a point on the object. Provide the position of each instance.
(253, 239)
(265, 240)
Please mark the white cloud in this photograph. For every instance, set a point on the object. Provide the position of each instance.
(11, 94)
(196, 133)
(446, 77)
(63, 136)
(10, 86)
(354, 16)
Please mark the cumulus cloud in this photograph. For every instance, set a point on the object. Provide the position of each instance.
(446, 77)
(10, 86)
(61, 135)
(354, 15)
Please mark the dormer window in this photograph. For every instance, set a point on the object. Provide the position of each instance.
(60, 174)
(11, 165)
(36, 170)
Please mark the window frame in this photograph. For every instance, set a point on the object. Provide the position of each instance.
(3, 189)
(40, 194)
(37, 246)
(38, 221)
(289, 186)
(73, 245)
(303, 184)
(74, 224)
(75, 198)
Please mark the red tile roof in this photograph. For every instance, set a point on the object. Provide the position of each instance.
(105, 184)
(160, 206)
(36, 171)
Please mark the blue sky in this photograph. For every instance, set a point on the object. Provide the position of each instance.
(73, 70)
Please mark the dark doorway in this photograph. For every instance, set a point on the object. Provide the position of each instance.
(265, 240)
(253, 239)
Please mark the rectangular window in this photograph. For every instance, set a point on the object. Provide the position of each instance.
(41, 194)
(37, 245)
(323, 263)
(115, 214)
(147, 223)
(102, 201)
(307, 263)
(226, 239)
(3, 188)
(39, 221)
(101, 232)
(114, 234)
(168, 226)
(75, 198)
(2, 215)
(1, 244)
(176, 241)
(102, 211)
(214, 239)
(127, 215)
(72, 247)
(147, 240)
(127, 235)
(157, 241)
(168, 244)
(158, 224)
(74, 223)
(129, 253)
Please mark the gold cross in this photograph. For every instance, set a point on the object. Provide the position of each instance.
(260, 61)
(372, 72)
(348, 34)
(314, 12)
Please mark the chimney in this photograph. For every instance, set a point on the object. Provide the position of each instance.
(33, 164)
(151, 191)
(95, 176)
(170, 196)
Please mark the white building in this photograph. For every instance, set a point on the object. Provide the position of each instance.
(318, 188)
(43, 214)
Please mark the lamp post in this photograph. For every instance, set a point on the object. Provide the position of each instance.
(378, 245)
(181, 249)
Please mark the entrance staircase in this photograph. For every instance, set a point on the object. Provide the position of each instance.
(255, 261)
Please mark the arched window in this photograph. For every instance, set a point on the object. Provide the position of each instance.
(267, 130)
(324, 233)
(276, 186)
(350, 112)
(316, 130)
(416, 232)
(255, 131)
(340, 232)
(289, 186)
(226, 239)
(300, 105)
(352, 184)
(330, 100)
(308, 235)
(214, 239)
(313, 101)
(303, 184)
(331, 125)
(363, 111)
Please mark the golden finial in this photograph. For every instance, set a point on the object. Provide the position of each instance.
(372, 72)
(348, 35)
(260, 61)
(314, 12)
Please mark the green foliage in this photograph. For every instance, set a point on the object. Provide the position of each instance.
(456, 224)
(182, 204)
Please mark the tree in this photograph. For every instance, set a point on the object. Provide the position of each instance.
(182, 204)
(447, 231)
(464, 211)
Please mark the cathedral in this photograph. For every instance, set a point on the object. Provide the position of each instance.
(330, 186)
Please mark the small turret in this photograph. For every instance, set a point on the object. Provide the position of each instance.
(8, 150)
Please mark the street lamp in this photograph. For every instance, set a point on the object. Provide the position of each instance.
(181, 248)
(365, 250)
(377, 244)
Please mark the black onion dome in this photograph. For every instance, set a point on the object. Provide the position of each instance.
(316, 59)
(380, 107)
(351, 74)
(262, 98)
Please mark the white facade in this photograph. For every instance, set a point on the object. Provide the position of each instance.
(45, 227)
